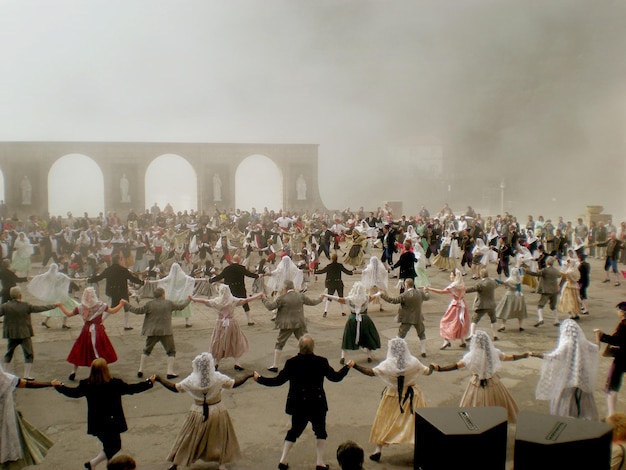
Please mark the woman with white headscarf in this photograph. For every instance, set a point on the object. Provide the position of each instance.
(207, 433)
(400, 372)
(444, 260)
(375, 277)
(485, 388)
(227, 339)
(178, 286)
(92, 342)
(568, 374)
(512, 303)
(286, 270)
(480, 257)
(52, 287)
(455, 323)
(360, 331)
(22, 251)
(21, 445)
(569, 300)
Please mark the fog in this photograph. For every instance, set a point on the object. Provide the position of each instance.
(529, 93)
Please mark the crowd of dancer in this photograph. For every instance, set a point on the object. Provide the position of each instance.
(165, 260)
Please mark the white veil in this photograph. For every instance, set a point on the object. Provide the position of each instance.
(286, 270)
(375, 274)
(51, 286)
(574, 363)
(177, 285)
(483, 359)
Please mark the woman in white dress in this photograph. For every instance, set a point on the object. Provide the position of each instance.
(178, 287)
(374, 278)
(52, 287)
(568, 374)
(22, 251)
(286, 270)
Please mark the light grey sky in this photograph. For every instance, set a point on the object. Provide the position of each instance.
(532, 92)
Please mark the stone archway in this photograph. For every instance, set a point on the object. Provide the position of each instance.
(258, 184)
(75, 184)
(171, 179)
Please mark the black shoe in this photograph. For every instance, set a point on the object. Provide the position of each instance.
(188, 325)
(238, 367)
(72, 376)
(251, 323)
(447, 345)
(65, 327)
(273, 369)
(88, 465)
(586, 312)
(605, 281)
(45, 325)
(423, 354)
(343, 314)
(342, 361)
(283, 466)
(128, 328)
(172, 376)
(501, 329)
(557, 324)
(577, 317)
(521, 329)
(468, 339)
(369, 359)
(139, 374)
(617, 284)
(322, 467)
(325, 314)
(462, 345)
(538, 324)
(495, 338)
(375, 457)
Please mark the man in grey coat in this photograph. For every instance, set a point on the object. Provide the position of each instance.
(549, 290)
(289, 317)
(18, 329)
(157, 328)
(485, 302)
(410, 311)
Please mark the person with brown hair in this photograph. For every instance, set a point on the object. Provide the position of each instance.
(618, 451)
(105, 415)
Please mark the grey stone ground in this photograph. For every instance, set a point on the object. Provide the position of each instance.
(154, 417)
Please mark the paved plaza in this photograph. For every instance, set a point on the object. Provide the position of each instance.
(154, 417)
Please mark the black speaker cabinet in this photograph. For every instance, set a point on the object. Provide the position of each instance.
(447, 438)
(548, 442)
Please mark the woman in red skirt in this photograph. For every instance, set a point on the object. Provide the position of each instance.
(93, 342)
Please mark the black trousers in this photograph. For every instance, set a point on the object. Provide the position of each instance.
(300, 420)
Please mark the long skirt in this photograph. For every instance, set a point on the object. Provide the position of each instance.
(83, 352)
(68, 303)
(575, 403)
(34, 443)
(368, 334)
(490, 392)
(569, 300)
(213, 440)
(392, 427)
(228, 341)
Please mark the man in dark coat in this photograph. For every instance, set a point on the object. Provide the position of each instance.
(18, 329)
(234, 276)
(9, 279)
(485, 302)
(117, 277)
(333, 282)
(306, 400)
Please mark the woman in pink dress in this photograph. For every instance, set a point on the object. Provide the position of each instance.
(455, 323)
(227, 339)
(93, 342)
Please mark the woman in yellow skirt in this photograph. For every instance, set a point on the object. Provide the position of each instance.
(400, 371)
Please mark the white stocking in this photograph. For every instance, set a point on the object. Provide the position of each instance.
(286, 448)
(319, 450)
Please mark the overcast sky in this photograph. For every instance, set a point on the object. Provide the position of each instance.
(532, 92)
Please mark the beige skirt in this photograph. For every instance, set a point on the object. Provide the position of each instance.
(392, 427)
(492, 393)
(213, 440)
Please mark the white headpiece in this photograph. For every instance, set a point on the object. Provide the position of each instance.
(574, 363)
(375, 274)
(177, 285)
(89, 299)
(458, 279)
(50, 286)
(358, 297)
(286, 270)
(483, 359)
(224, 297)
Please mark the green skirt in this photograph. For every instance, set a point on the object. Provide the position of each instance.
(368, 335)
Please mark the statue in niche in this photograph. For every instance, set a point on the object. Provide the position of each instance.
(301, 188)
(27, 191)
(124, 188)
(217, 188)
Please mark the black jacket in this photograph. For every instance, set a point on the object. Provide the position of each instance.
(306, 373)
